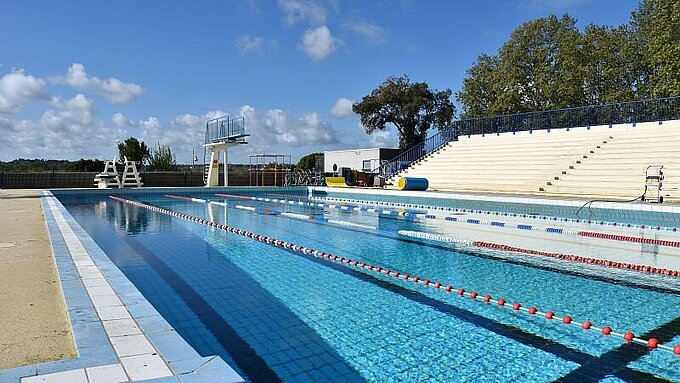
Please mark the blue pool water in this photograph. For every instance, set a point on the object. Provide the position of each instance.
(277, 315)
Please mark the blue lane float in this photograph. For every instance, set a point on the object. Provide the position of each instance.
(412, 183)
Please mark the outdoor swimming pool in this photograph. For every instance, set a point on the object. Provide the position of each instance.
(277, 314)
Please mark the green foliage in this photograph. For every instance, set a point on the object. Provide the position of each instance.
(38, 165)
(83, 165)
(548, 63)
(134, 150)
(411, 107)
(308, 161)
(538, 66)
(22, 164)
(481, 88)
(536, 69)
(657, 27)
(162, 159)
(608, 71)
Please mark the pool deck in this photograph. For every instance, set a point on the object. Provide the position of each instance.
(29, 286)
(118, 335)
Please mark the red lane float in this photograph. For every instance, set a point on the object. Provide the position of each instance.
(574, 258)
(234, 196)
(578, 258)
(652, 343)
(629, 238)
(178, 197)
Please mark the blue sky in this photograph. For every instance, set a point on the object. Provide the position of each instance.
(77, 76)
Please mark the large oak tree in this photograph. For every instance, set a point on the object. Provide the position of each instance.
(412, 107)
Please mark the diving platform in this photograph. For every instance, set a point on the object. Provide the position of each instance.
(220, 134)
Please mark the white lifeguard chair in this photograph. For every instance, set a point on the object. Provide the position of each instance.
(221, 134)
(109, 177)
(131, 176)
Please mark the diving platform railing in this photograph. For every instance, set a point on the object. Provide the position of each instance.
(632, 112)
(223, 129)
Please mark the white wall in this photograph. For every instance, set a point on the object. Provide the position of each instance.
(353, 159)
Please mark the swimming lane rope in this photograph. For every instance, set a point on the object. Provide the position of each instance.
(651, 343)
(489, 245)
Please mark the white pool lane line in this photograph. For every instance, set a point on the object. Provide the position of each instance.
(139, 359)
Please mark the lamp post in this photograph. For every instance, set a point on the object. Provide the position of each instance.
(194, 159)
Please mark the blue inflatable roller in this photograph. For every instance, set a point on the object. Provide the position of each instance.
(412, 183)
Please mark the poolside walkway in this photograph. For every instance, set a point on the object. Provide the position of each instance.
(35, 327)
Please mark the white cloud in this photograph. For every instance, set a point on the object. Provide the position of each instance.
(16, 88)
(383, 139)
(214, 114)
(318, 43)
(184, 133)
(188, 120)
(342, 107)
(303, 10)
(69, 130)
(275, 126)
(250, 44)
(380, 138)
(121, 121)
(150, 124)
(113, 89)
(75, 112)
(372, 33)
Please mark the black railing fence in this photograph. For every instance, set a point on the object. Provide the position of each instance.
(659, 109)
(61, 179)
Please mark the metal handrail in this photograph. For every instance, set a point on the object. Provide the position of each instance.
(658, 109)
(222, 128)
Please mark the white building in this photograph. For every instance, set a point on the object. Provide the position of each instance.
(363, 160)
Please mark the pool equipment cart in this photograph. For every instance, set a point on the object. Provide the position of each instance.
(653, 184)
(220, 134)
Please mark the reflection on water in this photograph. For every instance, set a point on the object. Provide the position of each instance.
(130, 219)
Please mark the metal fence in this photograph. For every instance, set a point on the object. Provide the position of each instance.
(659, 109)
(57, 179)
(305, 177)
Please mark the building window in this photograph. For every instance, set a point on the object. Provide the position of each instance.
(367, 166)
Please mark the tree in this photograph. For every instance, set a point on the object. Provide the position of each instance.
(83, 165)
(134, 150)
(309, 161)
(538, 68)
(657, 27)
(548, 63)
(411, 107)
(609, 65)
(481, 88)
(162, 159)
